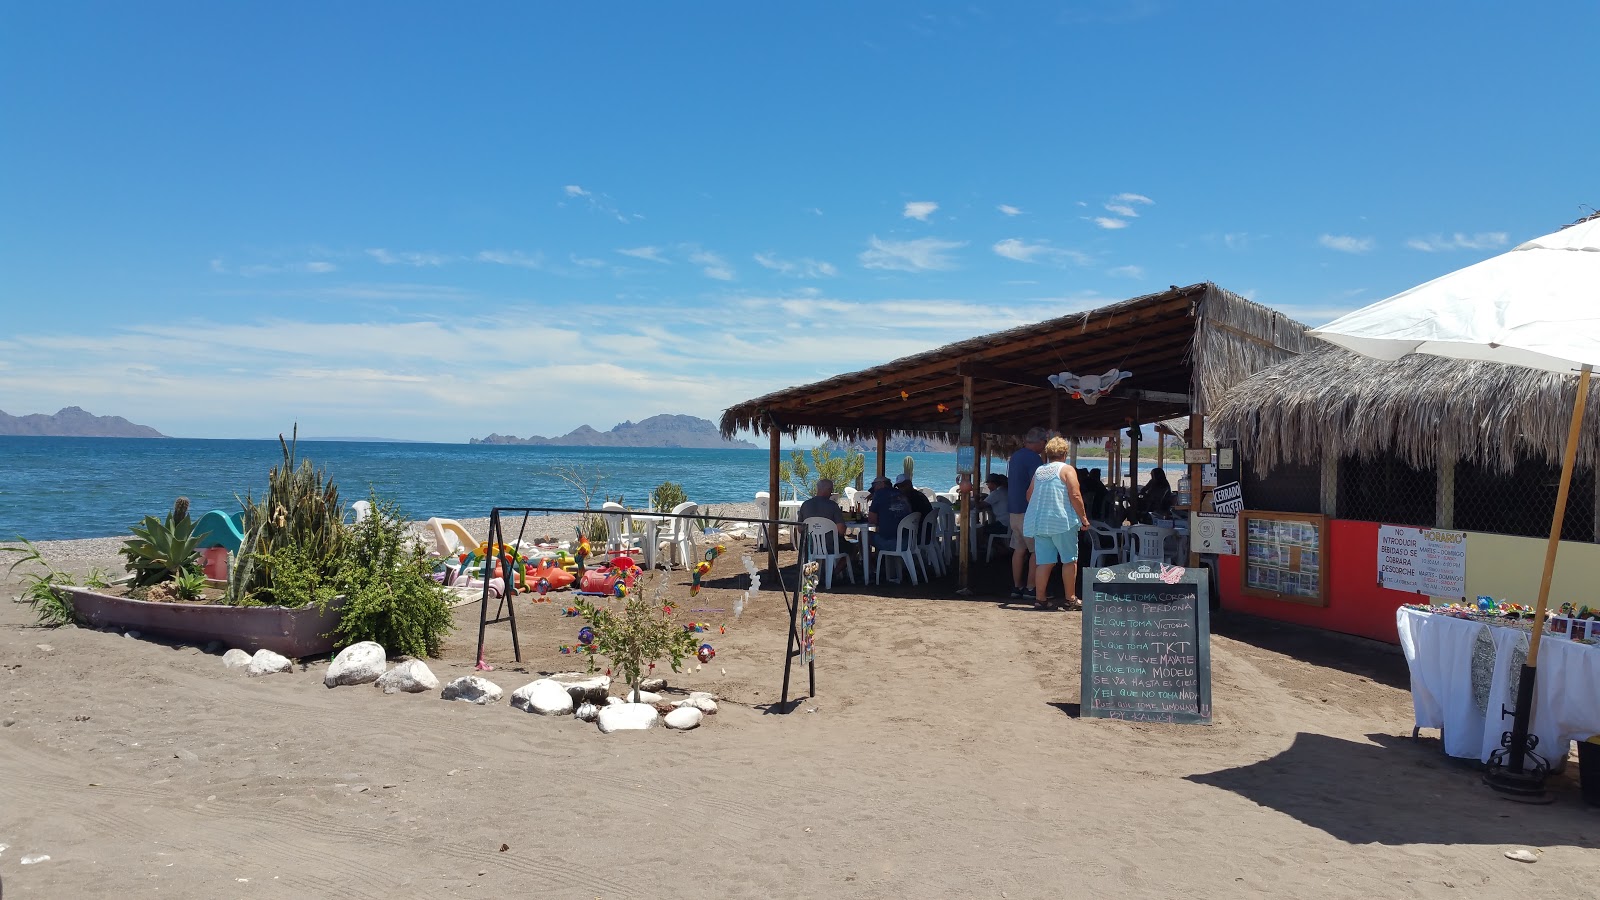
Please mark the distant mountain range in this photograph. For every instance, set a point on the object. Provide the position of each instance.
(897, 443)
(656, 431)
(73, 422)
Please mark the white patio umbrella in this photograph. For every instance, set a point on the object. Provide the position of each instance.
(1537, 305)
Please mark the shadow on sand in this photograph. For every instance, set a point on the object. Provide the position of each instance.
(1397, 791)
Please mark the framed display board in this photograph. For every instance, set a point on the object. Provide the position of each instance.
(1285, 556)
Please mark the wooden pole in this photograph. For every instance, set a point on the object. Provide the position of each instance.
(1055, 411)
(773, 507)
(968, 500)
(1161, 447)
(1559, 519)
(1074, 453)
(1197, 473)
(883, 443)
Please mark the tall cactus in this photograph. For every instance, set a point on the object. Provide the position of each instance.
(909, 464)
(300, 511)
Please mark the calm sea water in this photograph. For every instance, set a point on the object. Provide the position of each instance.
(62, 488)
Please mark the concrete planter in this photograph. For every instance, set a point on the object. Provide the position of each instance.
(292, 632)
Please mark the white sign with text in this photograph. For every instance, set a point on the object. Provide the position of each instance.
(1422, 560)
(1215, 533)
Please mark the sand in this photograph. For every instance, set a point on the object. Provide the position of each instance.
(942, 757)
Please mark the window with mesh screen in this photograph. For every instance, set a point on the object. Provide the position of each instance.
(1288, 488)
(1523, 502)
(1387, 490)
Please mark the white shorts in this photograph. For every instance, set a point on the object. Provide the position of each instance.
(1018, 542)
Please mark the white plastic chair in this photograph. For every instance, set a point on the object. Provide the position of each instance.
(763, 505)
(928, 492)
(1105, 545)
(929, 546)
(1003, 536)
(1146, 544)
(849, 498)
(824, 547)
(681, 542)
(944, 515)
(361, 509)
(619, 528)
(905, 546)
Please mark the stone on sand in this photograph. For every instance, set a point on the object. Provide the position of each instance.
(653, 684)
(236, 659)
(265, 662)
(473, 689)
(545, 697)
(584, 687)
(641, 697)
(684, 718)
(587, 712)
(361, 663)
(700, 701)
(628, 717)
(412, 677)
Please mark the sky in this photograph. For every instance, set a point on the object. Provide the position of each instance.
(437, 221)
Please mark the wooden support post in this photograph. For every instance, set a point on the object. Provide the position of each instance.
(773, 497)
(883, 443)
(1197, 473)
(1330, 483)
(1074, 453)
(968, 500)
(1161, 448)
(1055, 411)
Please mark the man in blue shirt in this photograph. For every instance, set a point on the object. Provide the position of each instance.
(888, 508)
(1019, 475)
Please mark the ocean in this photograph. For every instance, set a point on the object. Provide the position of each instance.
(63, 488)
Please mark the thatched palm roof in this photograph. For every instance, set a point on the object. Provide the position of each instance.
(1419, 408)
(1186, 344)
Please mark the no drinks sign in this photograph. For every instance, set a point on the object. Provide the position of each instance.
(1146, 644)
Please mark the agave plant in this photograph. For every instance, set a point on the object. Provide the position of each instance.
(162, 550)
(189, 584)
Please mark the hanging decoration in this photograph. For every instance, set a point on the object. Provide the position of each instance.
(755, 585)
(1089, 388)
(808, 614)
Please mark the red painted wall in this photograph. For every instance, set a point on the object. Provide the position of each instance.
(1356, 605)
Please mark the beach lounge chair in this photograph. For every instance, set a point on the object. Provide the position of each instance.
(449, 538)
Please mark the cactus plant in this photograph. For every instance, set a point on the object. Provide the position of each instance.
(162, 550)
(300, 509)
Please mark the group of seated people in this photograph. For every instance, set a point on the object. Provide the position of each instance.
(889, 505)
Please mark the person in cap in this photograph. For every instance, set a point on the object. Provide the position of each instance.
(1019, 476)
(889, 507)
(918, 500)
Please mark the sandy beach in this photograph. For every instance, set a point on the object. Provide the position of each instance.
(942, 757)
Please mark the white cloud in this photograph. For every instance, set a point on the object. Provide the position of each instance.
(921, 255)
(408, 258)
(1127, 272)
(712, 265)
(1119, 209)
(1132, 198)
(588, 262)
(574, 190)
(1110, 224)
(320, 267)
(1039, 252)
(803, 267)
(1009, 210)
(653, 254)
(920, 209)
(814, 211)
(601, 203)
(1345, 243)
(511, 258)
(1483, 240)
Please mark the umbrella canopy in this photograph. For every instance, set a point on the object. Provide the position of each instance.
(1537, 305)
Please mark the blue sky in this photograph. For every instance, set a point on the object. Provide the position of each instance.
(436, 221)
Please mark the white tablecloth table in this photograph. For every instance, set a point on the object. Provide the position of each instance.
(1438, 648)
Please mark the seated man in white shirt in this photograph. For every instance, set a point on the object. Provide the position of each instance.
(823, 506)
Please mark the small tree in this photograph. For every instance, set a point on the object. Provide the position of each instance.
(585, 481)
(638, 635)
(802, 477)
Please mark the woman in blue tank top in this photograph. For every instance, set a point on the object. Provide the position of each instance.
(1055, 516)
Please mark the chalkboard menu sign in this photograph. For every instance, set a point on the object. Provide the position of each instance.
(1146, 644)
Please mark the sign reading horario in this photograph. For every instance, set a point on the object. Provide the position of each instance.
(1146, 644)
(1427, 561)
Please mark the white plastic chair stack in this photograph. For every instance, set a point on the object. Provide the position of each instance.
(905, 546)
(944, 517)
(681, 540)
(929, 546)
(824, 548)
(1145, 544)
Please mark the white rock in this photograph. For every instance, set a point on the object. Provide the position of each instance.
(701, 702)
(641, 697)
(473, 689)
(615, 701)
(35, 858)
(1521, 855)
(545, 697)
(265, 662)
(236, 659)
(587, 712)
(357, 664)
(584, 687)
(684, 718)
(627, 717)
(653, 684)
(412, 676)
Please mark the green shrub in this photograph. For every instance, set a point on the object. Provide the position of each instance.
(667, 496)
(802, 477)
(390, 595)
(301, 510)
(159, 550)
(51, 607)
(640, 634)
(189, 585)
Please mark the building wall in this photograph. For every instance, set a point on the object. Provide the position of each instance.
(1500, 566)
